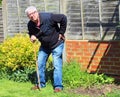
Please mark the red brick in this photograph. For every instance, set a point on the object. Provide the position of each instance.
(95, 53)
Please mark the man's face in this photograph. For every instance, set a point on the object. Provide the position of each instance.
(33, 15)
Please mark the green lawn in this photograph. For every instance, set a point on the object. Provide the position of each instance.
(15, 89)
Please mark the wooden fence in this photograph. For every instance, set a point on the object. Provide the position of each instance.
(93, 19)
(14, 17)
(87, 19)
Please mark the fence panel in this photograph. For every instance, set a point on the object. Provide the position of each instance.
(15, 19)
(100, 17)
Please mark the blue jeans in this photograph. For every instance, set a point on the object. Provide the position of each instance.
(43, 55)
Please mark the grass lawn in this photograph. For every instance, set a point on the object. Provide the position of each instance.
(14, 89)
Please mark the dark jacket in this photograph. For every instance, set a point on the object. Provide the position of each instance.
(51, 25)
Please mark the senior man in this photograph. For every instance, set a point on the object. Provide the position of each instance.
(49, 29)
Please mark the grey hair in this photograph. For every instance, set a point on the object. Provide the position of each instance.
(30, 8)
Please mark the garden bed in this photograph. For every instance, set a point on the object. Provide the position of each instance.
(96, 91)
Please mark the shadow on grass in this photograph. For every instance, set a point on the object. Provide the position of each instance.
(49, 76)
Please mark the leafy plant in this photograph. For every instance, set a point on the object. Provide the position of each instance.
(71, 74)
(23, 75)
(17, 53)
(18, 59)
(73, 77)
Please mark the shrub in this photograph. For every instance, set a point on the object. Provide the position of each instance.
(18, 59)
(71, 74)
(17, 52)
(73, 77)
(28, 74)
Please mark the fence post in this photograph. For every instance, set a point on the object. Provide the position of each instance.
(119, 11)
(100, 18)
(62, 9)
(63, 4)
(82, 18)
(29, 2)
(45, 5)
(4, 16)
(19, 16)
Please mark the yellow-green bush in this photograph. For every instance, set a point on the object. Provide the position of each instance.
(18, 52)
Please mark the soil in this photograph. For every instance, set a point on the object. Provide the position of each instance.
(96, 91)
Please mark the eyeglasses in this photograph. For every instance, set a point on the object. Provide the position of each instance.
(32, 13)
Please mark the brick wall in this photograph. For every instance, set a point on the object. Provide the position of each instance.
(95, 56)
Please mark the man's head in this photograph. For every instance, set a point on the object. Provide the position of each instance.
(32, 13)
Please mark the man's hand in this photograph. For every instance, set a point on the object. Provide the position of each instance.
(33, 38)
(61, 37)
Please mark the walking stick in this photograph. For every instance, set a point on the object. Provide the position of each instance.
(37, 70)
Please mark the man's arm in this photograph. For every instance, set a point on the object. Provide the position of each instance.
(33, 33)
(62, 20)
